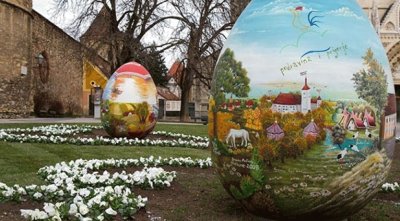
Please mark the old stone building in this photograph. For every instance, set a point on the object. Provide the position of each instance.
(16, 96)
(42, 69)
(385, 16)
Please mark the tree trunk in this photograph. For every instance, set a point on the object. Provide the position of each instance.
(184, 114)
(187, 82)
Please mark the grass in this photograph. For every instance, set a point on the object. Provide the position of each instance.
(197, 130)
(20, 162)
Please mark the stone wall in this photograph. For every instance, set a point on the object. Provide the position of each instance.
(15, 57)
(62, 87)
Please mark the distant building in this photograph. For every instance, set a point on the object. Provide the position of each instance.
(198, 95)
(43, 70)
(357, 120)
(168, 103)
(275, 132)
(388, 125)
(311, 129)
(292, 103)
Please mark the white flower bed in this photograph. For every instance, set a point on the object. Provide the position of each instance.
(60, 134)
(75, 190)
(391, 187)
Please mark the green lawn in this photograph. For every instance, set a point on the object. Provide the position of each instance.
(20, 162)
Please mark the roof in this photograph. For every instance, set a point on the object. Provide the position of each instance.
(311, 128)
(391, 105)
(100, 25)
(275, 129)
(370, 119)
(357, 121)
(175, 70)
(167, 94)
(288, 99)
(305, 87)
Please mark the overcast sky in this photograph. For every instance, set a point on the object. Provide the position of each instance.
(46, 8)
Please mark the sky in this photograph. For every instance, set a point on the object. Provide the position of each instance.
(271, 35)
(46, 8)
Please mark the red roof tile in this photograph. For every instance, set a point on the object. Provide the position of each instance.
(305, 87)
(168, 95)
(288, 99)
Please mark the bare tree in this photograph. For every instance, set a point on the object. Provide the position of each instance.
(202, 28)
(125, 24)
(237, 7)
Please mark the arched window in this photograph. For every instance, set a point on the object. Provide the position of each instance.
(43, 66)
(390, 26)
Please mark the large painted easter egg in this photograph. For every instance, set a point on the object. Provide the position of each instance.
(129, 104)
(302, 115)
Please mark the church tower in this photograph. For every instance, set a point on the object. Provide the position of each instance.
(16, 57)
(305, 98)
(374, 16)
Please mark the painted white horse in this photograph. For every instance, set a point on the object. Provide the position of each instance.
(233, 134)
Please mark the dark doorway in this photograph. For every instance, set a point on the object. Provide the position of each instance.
(91, 105)
(192, 110)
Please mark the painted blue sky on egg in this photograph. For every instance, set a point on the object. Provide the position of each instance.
(327, 37)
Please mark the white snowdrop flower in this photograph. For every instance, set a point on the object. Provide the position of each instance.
(49, 208)
(25, 213)
(30, 187)
(21, 191)
(3, 185)
(37, 195)
(85, 219)
(51, 188)
(73, 209)
(109, 189)
(78, 199)
(60, 193)
(103, 178)
(56, 218)
(103, 203)
(8, 192)
(38, 215)
(83, 209)
(100, 217)
(84, 192)
(59, 204)
(118, 190)
(123, 177)
(110, 211)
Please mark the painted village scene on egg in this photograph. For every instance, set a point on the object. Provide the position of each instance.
(291, 135)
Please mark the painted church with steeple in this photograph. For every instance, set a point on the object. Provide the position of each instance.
(294, 102)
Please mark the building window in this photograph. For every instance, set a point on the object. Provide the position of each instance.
(43, 67)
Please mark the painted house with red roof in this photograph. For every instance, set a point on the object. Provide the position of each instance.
(291, 103)
(369, 120)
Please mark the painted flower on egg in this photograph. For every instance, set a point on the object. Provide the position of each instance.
(302, 115)
(129, 103)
